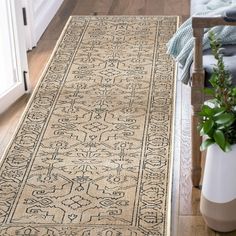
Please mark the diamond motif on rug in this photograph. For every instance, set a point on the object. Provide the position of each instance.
(110, 72)
(76, 202)
(95, 126)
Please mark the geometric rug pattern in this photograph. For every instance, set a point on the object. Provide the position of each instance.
(92, 153)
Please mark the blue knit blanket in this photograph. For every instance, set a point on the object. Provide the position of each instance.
(182, 43)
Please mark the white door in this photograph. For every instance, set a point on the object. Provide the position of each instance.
(13, 59)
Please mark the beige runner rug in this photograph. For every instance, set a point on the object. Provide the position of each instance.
(92, 154)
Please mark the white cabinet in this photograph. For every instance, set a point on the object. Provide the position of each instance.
(38, 14)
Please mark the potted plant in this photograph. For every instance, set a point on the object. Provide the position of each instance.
(218, 126)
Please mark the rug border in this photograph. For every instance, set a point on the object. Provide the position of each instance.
(172, 138)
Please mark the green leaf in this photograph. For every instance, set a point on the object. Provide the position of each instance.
(219, 138)
(234, 91)
(225, 118)
(229, 123)
(205, 144)
(227, 147)
(209, 91)
(213, 79)
(206, 111)
(208, 125)
(219, 111)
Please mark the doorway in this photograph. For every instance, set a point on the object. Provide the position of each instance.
(13, 59)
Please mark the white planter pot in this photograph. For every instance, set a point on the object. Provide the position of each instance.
(218, 197)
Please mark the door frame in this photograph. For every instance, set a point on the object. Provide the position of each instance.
(38, 15)
(19, 56)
